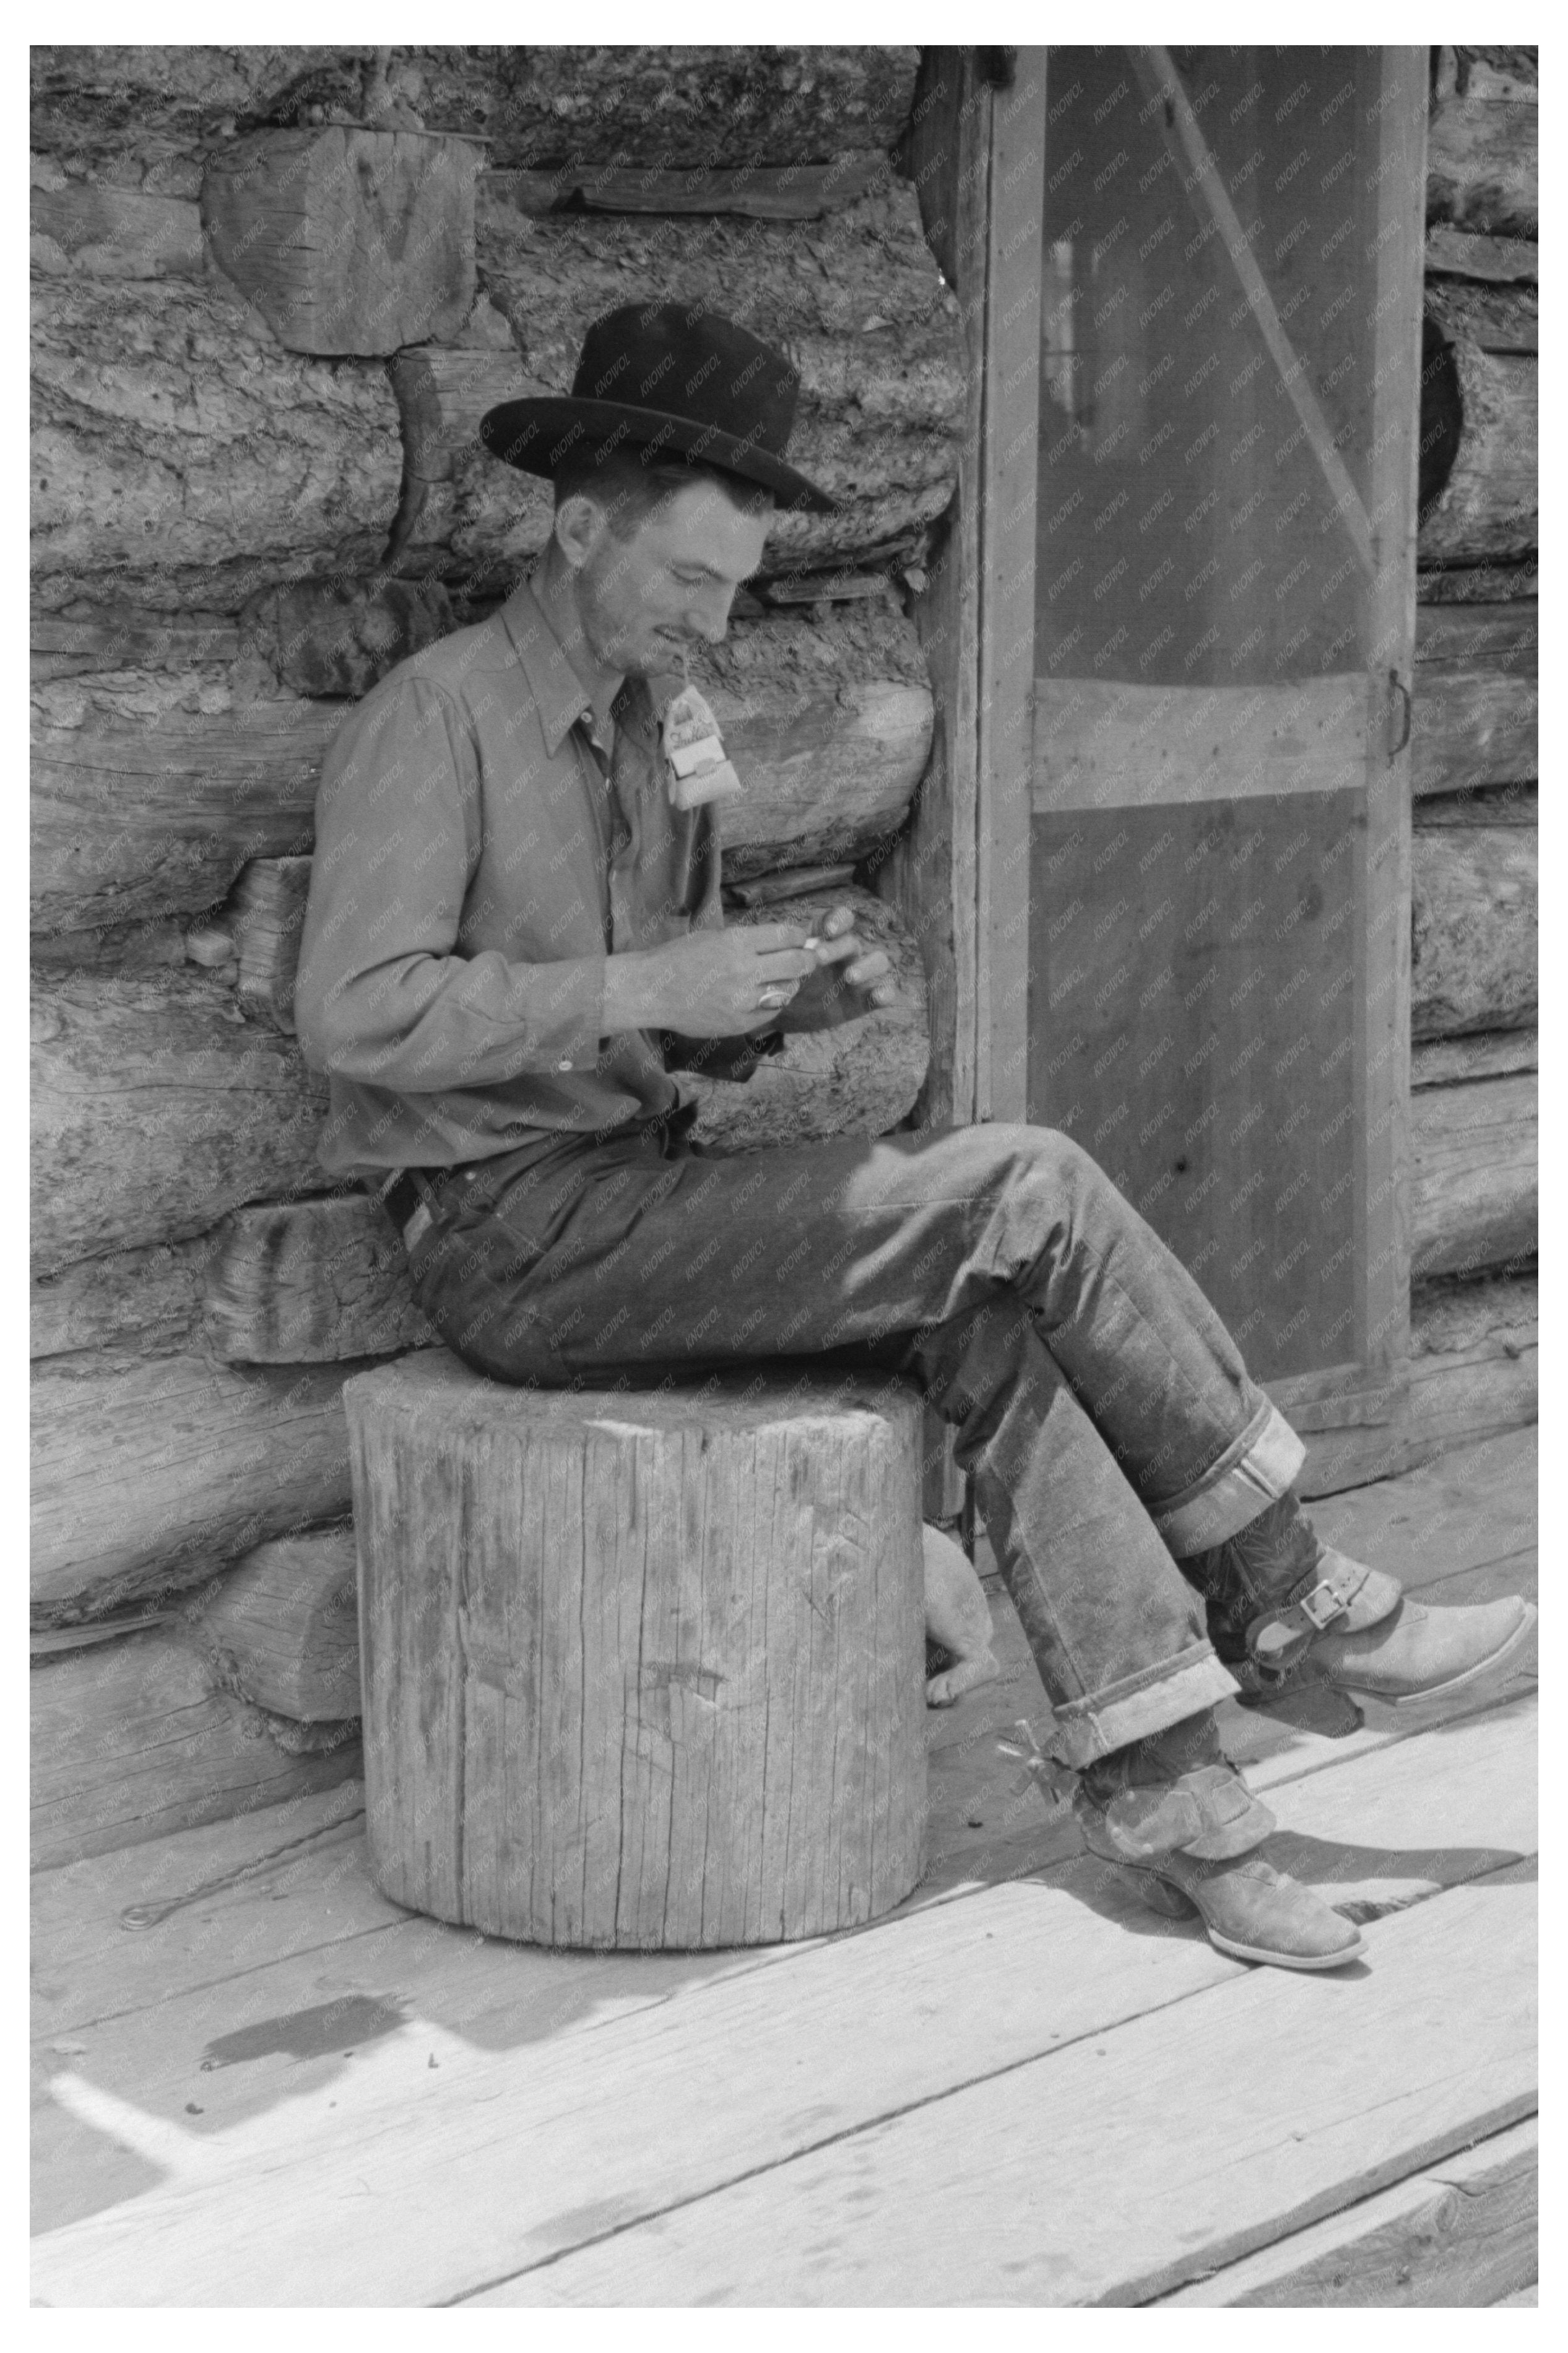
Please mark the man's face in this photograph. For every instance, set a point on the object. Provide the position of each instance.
(671, 584)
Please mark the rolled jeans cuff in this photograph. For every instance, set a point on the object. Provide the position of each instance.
(1251, 1474)
(1084, 1729)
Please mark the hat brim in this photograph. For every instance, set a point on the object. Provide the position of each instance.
(540, 435)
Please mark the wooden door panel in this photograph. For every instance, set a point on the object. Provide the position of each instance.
(1192, 1024)
(1216, 938)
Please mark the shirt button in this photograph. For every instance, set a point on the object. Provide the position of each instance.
(565, 1065)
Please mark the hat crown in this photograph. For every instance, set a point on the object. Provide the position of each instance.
(666, 379)
(698, 364)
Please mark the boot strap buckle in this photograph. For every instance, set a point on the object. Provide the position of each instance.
(1325, 1602)
(1280, 1638)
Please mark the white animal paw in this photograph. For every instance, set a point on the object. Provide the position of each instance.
(958, 1617)
(954, 1681)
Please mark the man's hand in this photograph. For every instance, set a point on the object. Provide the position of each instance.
(849, 979)
(711, 984)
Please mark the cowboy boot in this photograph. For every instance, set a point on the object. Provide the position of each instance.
(1283, 1606)
(1176, 1816)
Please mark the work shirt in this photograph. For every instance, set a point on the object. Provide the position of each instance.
(479, 853)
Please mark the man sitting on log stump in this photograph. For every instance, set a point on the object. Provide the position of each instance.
(515, 932)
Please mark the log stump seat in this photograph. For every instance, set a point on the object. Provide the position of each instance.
(642, 1668)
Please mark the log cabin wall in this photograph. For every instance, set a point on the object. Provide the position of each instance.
(256, 486)
(1475, 769)
(274, 291)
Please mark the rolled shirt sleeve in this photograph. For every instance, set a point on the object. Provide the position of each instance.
(386, 994)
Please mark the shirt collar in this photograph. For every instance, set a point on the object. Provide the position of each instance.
(559, 694)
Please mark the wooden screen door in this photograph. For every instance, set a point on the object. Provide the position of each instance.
(1201, 358)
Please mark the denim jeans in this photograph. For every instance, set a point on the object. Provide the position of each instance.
(1100, 1405)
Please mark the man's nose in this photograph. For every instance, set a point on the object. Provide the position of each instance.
(708, 614)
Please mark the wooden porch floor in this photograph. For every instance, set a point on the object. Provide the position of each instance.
(1019, 2089)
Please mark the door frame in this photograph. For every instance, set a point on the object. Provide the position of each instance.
(979, 153)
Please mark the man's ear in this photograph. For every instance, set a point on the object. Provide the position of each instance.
(578, 526)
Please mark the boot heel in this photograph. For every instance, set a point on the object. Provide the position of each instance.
(1159, 1895)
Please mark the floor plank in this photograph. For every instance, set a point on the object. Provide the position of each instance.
(557, 2127)
(1471, 1505)
(1463, 2232)
(1001, 2193)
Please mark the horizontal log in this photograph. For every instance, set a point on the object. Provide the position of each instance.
(1493, 260)
(1483, 148)
(158, 1107)
(1480, 583)
(94, 637)
(138, 821)
(828, 721)
(1494, 318)
(1474, 721)
(1473, 1181)
(1504, 637)
(1474, 929)
(1472, 728)
(1484, 1054)
(675, 106)
(106, 232)
(859, 1079)
(1473, 1374)
(149, 1300)
(120, 951)
(148, 1476)
(284, 1618)
(137, 1738)
(308, 1283)
(1486, 510)
(182, 458)
(713, 106)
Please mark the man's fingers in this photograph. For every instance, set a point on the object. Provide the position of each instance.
(793, 964)
(837, 949)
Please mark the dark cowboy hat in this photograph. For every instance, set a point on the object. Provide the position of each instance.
(686, 383)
